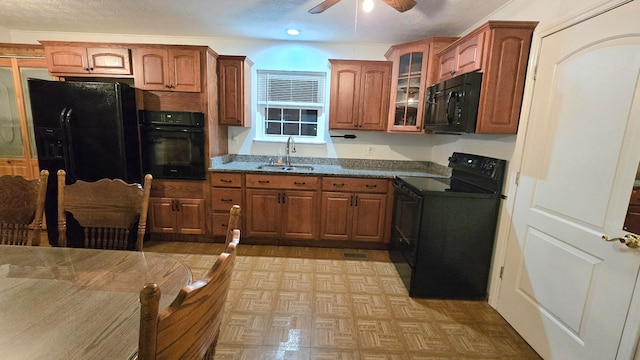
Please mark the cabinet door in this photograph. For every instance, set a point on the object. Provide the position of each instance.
(345, 96)
(67, 59)
(336, 216)
(503, 81)
(408, 78)
(162, 215)
(374, 96)
(184, 70)
(151, 69)
(300, 215)
(447, 65)
(369, 217)
(190, 214)
(263, 213)
(109, 61)
(234, 82)
(470, 54)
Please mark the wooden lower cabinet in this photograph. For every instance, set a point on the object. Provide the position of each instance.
(226, 191)
(178, 216)
(353, 216)
(355, 209)
(288, 214)
(177, 207)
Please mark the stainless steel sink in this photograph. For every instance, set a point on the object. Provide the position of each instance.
(284, 167)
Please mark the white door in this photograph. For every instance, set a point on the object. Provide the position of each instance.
(564, 289)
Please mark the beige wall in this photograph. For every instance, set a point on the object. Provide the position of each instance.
(5, 35)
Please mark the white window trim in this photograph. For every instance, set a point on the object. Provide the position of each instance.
(319, 138)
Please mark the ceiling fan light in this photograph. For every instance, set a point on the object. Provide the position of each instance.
(367, 5)
(293, 32)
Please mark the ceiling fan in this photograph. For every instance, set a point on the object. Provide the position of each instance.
(400, 5)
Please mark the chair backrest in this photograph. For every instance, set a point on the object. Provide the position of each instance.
(106, 209)
(22, 208)
(233, 223)
(189, 327)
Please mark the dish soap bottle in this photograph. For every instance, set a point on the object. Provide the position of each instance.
(279, 161)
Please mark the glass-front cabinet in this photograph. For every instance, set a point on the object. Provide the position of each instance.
(17, 145)
(414, 68)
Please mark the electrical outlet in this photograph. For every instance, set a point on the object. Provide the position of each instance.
(368, 151)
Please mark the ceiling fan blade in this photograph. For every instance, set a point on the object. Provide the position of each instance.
(323, 6)
(401, 5)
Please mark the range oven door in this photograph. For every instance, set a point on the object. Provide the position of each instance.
(173, 152)
(407, 214)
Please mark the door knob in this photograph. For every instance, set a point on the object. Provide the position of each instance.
(631, 240)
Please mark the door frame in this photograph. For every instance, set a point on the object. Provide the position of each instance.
(631, 330)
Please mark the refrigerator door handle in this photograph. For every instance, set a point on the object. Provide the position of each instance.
(71, 168)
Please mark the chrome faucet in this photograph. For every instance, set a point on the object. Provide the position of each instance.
(291, 147)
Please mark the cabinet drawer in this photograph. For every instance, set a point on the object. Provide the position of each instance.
(220, 224)
(224, 199)
(177, 188)
(281, 182)
(226, 180)
(354, 185)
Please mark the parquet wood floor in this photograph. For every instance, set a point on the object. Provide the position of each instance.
(325, 304)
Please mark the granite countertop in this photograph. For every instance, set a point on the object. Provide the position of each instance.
(334, 167)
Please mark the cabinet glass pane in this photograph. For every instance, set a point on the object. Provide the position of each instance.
(403, 85)
(416, 63)
(400, 111)
(10, 137)
(413, 90)
(403, 66)
(33, 73)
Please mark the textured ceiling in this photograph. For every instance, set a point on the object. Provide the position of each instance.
(261, 19)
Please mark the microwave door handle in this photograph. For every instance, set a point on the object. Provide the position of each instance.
(451, 95)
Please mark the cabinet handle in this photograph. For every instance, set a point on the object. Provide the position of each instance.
(263, 181)
(351, 200)
(283, 198)
(224, 225)
(299, 183)
(178, 206)
(355, 198)
(173, 205)
(226, 181)
(371, 186)
(226, 200)
(338, 184)
(453, 72)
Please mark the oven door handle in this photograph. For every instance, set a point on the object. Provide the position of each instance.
(175, 129)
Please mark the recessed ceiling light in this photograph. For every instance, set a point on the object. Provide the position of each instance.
(367, 5)
(293, 32)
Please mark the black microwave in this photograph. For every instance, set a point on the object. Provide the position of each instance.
(452, 105)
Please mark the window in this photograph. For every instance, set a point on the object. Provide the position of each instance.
(291, 103)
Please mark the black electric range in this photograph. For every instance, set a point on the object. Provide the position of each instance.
(444, 228)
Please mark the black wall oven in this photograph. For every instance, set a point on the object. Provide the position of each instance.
(443, 229)
(173, 144)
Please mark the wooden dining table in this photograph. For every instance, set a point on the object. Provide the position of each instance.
(65, 303)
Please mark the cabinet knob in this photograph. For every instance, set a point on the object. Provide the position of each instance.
(453, 72)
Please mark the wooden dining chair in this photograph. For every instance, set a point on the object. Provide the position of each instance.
(190, 326)
(106, 209)
(233, 223)
(22, 209)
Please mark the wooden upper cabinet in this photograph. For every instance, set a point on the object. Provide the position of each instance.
(414, 67)
(234, 87)
(465, 57)
(167, 69)
(500, 50)
(76, 60)
(359, 96)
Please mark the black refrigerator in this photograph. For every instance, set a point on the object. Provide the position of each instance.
(90, 130)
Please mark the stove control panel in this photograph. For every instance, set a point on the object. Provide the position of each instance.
(479, 165)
